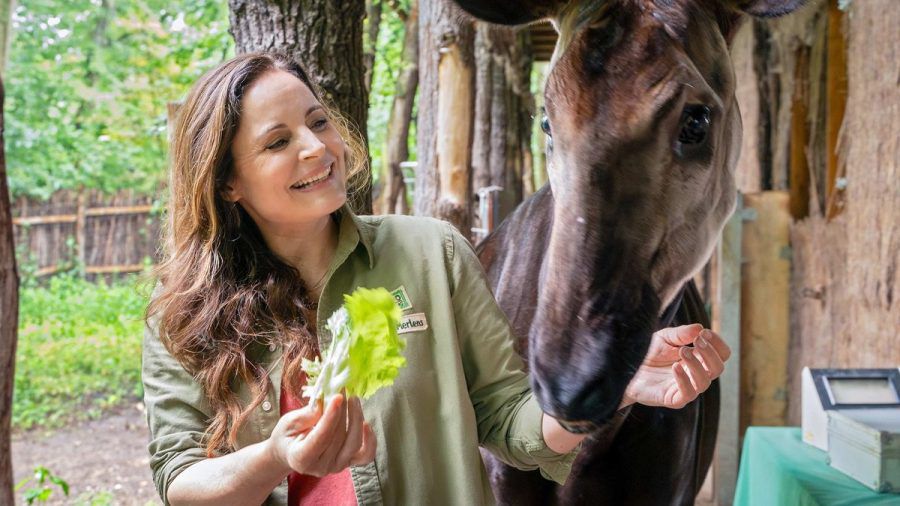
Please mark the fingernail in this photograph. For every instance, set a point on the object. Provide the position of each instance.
(701, 342)
(705, 334)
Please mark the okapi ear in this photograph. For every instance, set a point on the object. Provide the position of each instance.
(768, 8)
(510, 12)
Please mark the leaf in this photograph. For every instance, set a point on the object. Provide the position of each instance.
(365, 353)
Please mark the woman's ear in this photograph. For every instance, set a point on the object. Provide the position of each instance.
(230, 192)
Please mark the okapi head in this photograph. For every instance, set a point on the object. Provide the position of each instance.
(644, 133)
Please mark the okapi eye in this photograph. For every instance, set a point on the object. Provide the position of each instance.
(694, 124)
(545, 124)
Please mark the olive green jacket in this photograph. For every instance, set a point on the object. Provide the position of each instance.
(463, 385)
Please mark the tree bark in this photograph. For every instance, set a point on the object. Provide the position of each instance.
(504, 110)
(394, 196)
(9, 323)
(373, 20)
(443, 176)
(326, 38)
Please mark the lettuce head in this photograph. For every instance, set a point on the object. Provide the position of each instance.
(365, 353)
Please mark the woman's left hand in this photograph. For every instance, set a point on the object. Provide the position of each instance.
(674, 374)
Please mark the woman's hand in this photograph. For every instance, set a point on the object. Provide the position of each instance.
(312, 443)
(674, 374)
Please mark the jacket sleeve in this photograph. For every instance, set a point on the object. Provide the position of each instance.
(508, 416)
(176, 413)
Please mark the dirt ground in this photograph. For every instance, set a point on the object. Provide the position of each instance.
(98, 458)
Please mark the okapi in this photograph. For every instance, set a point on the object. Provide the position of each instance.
(643, 136)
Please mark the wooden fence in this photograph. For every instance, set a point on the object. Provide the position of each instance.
(107, 234)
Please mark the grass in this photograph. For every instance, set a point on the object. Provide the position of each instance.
(79, 350)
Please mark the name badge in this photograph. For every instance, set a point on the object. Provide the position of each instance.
(412, 323)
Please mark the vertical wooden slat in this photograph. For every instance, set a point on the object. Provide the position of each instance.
(765, 304)
(726, 321)
(80, 243)
(799, 165)
(835, 105)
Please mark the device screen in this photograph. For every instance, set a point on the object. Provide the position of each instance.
(862, 391)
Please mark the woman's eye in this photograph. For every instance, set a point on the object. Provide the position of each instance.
(280, 143)
(319, 124)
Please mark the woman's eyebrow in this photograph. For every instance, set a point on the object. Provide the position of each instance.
(280, 125)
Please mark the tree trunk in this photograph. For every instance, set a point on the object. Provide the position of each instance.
(393, 196)
(9, 323)
(504, 110)
(445, 118)
(373, 21)
(326, 38)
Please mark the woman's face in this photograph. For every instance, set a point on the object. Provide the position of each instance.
(289, 164)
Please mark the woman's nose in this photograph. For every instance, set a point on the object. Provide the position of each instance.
(311, 146)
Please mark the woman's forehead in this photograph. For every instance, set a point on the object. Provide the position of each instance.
(276, 91)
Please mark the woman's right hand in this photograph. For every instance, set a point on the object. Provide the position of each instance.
(312, 443)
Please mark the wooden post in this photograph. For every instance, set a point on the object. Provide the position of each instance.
(765, 308)
(446, 113)
(835, 104)
(799, 165)
(80, 221)
(727, 322)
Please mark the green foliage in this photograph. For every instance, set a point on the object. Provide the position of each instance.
(388, 65)
(79, 349)
(42, 491)
(87, 84)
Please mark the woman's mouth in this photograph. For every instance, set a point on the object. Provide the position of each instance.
(314, 180)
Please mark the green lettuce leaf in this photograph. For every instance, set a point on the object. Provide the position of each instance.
(365, 353)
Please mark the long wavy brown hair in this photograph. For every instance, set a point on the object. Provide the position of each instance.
(220, 288)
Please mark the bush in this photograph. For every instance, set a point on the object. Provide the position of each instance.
(79, 349)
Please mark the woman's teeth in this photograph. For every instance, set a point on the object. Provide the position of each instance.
(309, 182)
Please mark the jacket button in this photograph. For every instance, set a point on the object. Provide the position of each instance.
(267, 406)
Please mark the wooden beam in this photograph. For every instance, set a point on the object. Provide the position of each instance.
(118, 211)
(835, 105)
(726, 321)
(765, 308)
(113, 269)
(88, 212)
(45, 220)
(799, 165)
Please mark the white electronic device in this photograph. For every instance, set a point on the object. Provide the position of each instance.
(854, 415)
(844, 390)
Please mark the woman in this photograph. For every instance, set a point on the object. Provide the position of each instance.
(260, 248)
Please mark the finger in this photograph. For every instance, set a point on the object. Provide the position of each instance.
(297, 421)
(354, 434)
(336, 440)
(366, 453)
(680, 336)
(320, 437)
(685, 388)
(711, 360)
(695, 370)
(716, 341)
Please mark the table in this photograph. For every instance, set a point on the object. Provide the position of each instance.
(778, 468)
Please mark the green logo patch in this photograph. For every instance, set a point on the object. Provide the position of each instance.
(402, 298)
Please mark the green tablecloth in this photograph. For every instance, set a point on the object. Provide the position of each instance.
(778, 468)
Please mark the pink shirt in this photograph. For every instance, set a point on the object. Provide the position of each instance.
(303, 490)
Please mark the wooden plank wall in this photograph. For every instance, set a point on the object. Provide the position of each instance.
(846, 286)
